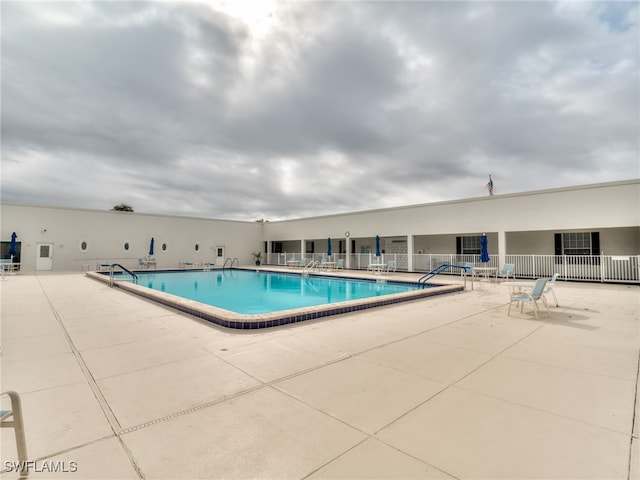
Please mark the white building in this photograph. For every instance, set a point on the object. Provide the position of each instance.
(589, 232)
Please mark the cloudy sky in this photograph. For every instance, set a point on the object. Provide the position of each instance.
(257, 109)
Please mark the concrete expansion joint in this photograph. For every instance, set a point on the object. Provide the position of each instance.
(191, 410)
(226, 398)
(311, 369)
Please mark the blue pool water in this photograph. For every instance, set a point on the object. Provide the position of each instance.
(251, 292)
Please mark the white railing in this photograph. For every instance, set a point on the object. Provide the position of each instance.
(600, 268)
(589, 268)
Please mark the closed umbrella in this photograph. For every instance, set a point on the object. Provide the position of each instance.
(377, 245)
(12, 247)
(484, 251)
(151, 246)
(329, 247)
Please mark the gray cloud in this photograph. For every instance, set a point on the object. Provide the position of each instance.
(313, 107)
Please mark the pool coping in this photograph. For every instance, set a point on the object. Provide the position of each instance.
(233, 320)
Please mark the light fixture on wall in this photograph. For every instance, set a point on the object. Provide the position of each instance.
(44, 230)
(347, 234)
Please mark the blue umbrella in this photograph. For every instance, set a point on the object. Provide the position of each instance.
(484, 251)
(377, 245)
(329, 247)
(12, 246)
(151, 246)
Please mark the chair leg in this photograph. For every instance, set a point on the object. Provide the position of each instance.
(18, 426)
(535, 309)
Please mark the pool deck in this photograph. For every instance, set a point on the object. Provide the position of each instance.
(118, 387)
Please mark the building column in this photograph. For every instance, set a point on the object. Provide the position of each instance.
(502, 248)
(410, 253)
(347, 241)
(302, 245)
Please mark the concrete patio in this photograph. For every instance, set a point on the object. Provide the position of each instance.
(114, 386)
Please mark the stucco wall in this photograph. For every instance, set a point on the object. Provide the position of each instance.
(609, 205)
(106, 232)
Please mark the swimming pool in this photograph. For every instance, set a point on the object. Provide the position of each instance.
(253, 292)
(250, 299)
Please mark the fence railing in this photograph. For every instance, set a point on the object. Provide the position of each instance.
(590, 268)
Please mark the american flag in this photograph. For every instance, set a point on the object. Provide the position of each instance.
(490, 186)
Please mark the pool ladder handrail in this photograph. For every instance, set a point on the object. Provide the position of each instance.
(445, 266)
(111, 269)
(228, 259)
(310, 266)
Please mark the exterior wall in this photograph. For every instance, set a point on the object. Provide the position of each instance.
(106, 232)
(613, 241)
(620, 241)
(516, 223)
(533, 243)
(437, 244)
(584, 208)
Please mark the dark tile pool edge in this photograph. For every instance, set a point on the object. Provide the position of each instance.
(228, 319)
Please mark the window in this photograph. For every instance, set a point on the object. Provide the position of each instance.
(468, 245)
(164, 247)
(196, 247)
(309, 247)
(575, 244)
(84, 245)
(5, 247)
(126, 246)
(578, 243)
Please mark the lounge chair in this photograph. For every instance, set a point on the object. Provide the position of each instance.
(340, 264)
(302, 263)
(507, 271)
(142, 263)
(537, 293)
(549, 287)
(391, 266)
(13, 419)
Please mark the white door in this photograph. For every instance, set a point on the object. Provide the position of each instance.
(219, 255)
(44, 261)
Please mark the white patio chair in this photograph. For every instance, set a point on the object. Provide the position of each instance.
(507, 271)
(533, 296)
(13, 419)
(549, 288)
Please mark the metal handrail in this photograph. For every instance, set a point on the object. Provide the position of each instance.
(231, 262)
(113, 265)
(445, 266)
(312, 264)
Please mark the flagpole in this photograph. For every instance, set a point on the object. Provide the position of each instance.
(490, 186)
